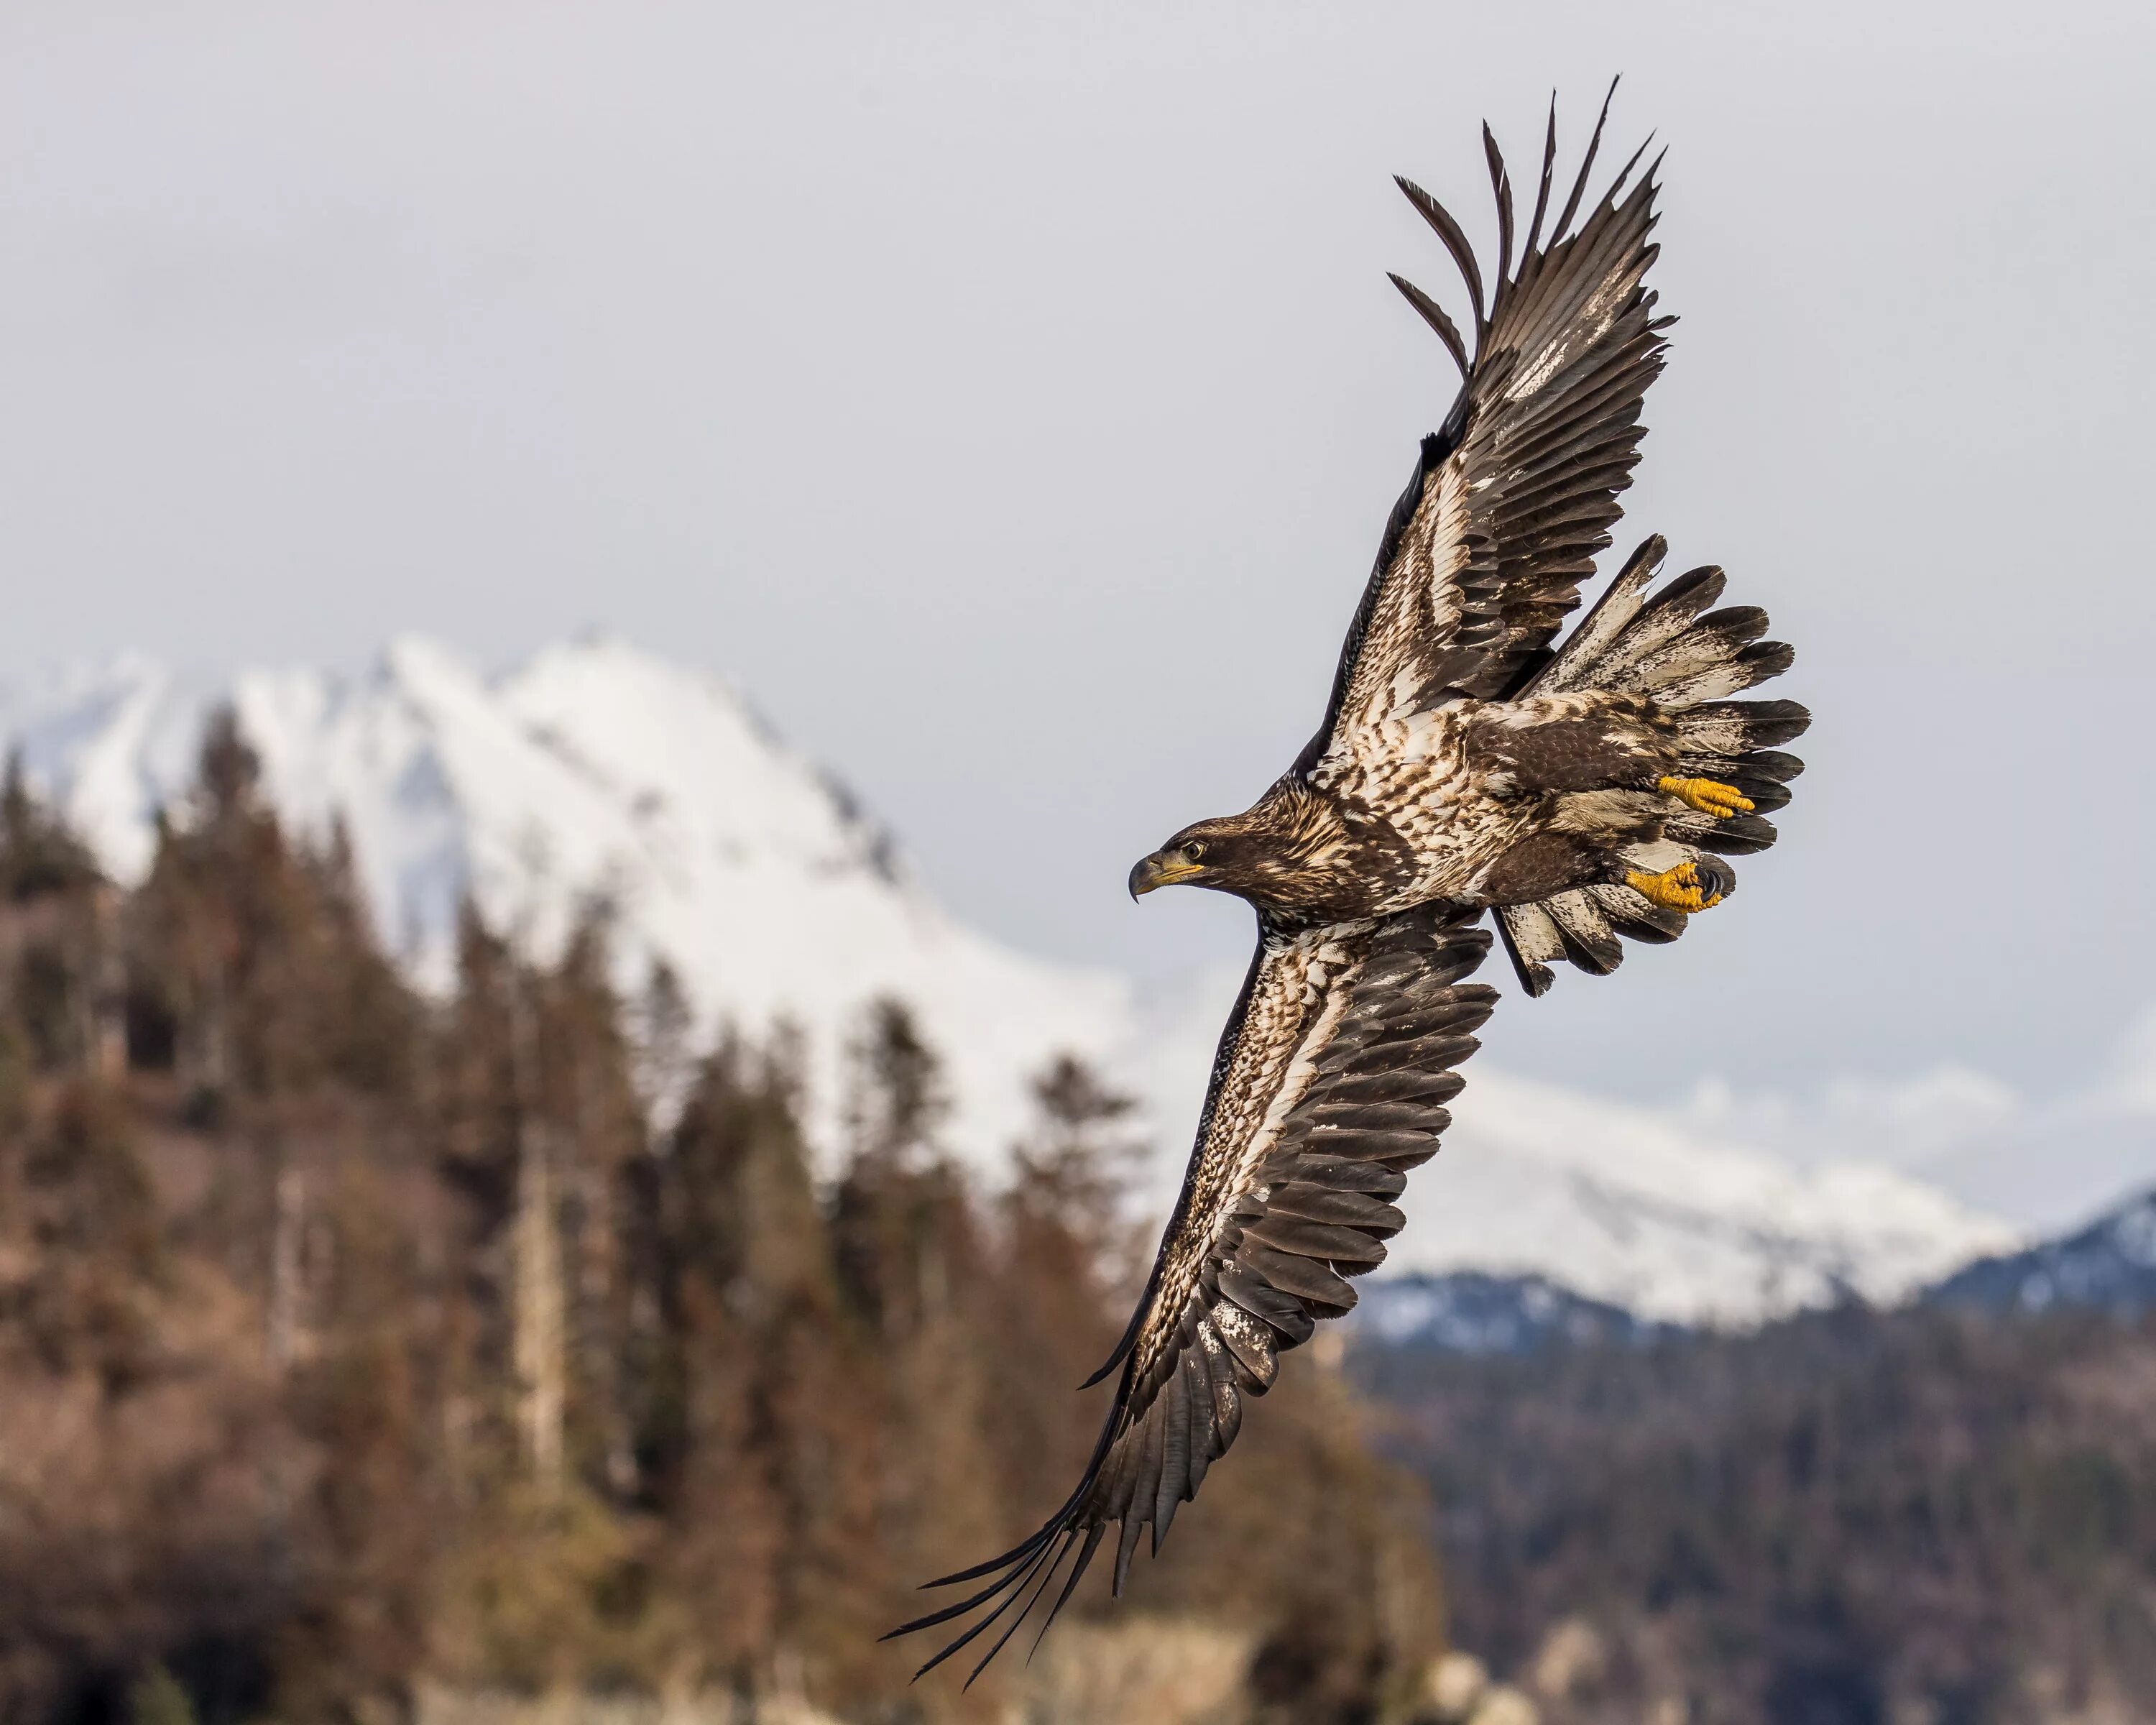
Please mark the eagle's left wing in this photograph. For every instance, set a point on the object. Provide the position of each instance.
(1329, 1086)
(1513, 497)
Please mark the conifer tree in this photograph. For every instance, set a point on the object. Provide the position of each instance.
(1070, 1259)
(916, 1272)
(61, 998)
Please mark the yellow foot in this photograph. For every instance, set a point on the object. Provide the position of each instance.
(1677, 889)
(1707, 795)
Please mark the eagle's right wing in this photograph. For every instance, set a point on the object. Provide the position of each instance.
(1329, 1086)
(1513, 497)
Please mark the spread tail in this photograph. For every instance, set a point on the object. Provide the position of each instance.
(1690, 661)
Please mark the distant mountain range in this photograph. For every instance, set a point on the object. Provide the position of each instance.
(1635, 1208)
(595, 771)
(2110, 1265)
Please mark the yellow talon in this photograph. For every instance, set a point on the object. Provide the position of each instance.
(1675, 889)
(1707, 795)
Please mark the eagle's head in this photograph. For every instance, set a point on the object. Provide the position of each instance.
(1275, 854)
(1224, 855)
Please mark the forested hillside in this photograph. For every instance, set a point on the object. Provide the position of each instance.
(356, 1347)
(1852, 1518)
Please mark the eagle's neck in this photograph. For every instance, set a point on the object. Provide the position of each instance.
(1322, 863)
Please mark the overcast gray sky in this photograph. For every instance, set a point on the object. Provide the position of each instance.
(1009, 397)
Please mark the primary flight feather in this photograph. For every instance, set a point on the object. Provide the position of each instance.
(1467, 761)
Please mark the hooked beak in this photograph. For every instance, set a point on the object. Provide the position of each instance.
(1161, 871)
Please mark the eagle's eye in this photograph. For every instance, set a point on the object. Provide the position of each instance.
(1193, 850)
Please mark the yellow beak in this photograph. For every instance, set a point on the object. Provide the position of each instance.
(1159, 871)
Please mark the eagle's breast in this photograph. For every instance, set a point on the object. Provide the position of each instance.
(1425, 816)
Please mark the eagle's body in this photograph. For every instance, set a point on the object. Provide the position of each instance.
(1477, 803)
(1469, 762)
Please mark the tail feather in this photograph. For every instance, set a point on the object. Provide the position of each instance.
(1533, 943)
(1742, 729)
(1764, 775)
(1738, 836)
(1765, 794)
(1590, 942)
(1634, 918)
(1723, 674)
(1613, 612)
(1664, 652)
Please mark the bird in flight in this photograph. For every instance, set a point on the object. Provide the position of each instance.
(1580, 790)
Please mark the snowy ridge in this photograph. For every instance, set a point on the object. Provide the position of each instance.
(1627, 1204)
(595, 769)
(592, 770)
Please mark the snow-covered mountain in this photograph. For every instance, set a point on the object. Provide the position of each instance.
(1631, 1205)
(596, 769)
(2107, 1266)
(591, 769)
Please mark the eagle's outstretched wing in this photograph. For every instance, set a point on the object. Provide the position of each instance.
(1329, 1086)
(1482, 559)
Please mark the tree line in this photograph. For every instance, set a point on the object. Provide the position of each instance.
(354, 1340)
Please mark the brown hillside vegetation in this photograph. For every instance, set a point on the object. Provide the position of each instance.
(357, 1348)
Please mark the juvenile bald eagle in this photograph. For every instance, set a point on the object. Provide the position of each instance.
(1581, 791)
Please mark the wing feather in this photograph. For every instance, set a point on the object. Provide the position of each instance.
(1437, 318)
(1587, 163)
(1449, 230)
(1501, 188)
(1329, 1084)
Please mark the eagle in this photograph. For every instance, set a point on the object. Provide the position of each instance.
(1581, 792)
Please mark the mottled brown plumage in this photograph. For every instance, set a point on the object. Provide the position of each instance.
(1466, 762)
